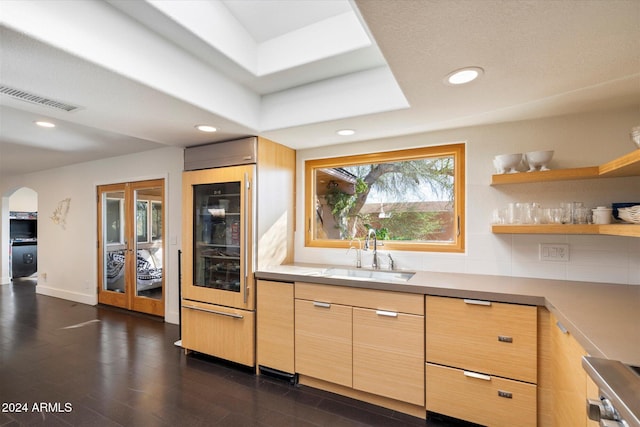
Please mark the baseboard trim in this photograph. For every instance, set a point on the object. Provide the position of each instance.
(68, 295)
(396, 405)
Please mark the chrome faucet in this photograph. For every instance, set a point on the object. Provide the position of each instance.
(374, 264)
(358, 254)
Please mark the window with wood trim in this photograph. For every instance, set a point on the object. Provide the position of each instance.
(414, 199)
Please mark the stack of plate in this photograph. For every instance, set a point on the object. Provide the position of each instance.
(631, 214)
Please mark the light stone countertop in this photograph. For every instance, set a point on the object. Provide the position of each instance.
(604, 318)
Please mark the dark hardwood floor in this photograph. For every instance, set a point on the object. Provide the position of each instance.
(63, 363)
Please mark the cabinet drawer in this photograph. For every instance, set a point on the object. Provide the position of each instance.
(219, 331)
(367, 298)
(485, 400)
(323, 341)
(492, 338)
(388, 354)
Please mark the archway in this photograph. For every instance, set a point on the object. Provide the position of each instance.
(18, 237)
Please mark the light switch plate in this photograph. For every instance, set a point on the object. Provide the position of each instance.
(557, 252)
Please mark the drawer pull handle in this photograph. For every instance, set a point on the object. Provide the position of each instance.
(221, 313)
(386, 313)
(505, 394)
(321, 304)
(561, 327)
(504, 338)
(477, 302)
(476, 375)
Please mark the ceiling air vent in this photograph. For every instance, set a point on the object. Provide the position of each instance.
(36, 99)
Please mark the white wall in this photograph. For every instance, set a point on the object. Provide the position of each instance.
(578, 140)
(68, 256)
(23, 200)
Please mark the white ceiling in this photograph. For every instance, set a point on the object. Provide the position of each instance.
(145, 72)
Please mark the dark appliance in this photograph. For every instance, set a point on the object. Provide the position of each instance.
(23, 236)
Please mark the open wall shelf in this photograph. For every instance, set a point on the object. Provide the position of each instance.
(625, 166)
(631, 230)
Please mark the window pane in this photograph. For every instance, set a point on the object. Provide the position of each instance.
(408, 197)
(113, 217)
(156, 221)
(142, 218)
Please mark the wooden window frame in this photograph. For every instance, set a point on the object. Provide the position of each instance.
(457, 151)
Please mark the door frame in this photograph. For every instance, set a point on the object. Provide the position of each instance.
(129, 299)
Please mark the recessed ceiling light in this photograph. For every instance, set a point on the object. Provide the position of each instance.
(346, 132)
(206, 128)
(463, 75)
(44, 124)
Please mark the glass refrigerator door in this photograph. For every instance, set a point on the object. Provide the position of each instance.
(216, 243)
(218, 236)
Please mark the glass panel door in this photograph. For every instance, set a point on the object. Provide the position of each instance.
(115, 244)
(131, 220)
(113, 248)
(149, 244)
(216, 244)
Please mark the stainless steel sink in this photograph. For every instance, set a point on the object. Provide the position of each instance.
(368, 275)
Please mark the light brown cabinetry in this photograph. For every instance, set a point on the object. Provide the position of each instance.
(274, 331)
(225, 240)
(593, 392)
(483, 336)
(388, 353)
(624, 166)
(571, 384)
(481, 361)
(369, 343)
(219, 331)
(486, 400)
(324, 341)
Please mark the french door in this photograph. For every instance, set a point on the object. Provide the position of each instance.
(130, 246)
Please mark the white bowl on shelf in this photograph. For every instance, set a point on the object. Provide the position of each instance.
(507, 163)
(538, 160)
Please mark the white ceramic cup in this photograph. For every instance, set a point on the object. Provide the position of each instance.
(602, 215)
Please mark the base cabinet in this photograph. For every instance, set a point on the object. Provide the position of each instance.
(274, 327)
(219, 331)
(481, 361)
(388, 348)
(571, 384)
(368, 342)
(479, 398)
(324, 341)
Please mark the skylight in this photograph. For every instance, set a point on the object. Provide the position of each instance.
(268, 37)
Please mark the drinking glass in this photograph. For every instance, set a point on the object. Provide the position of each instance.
(557, 215)
(574, 209)
(567, 212)
(581, 215)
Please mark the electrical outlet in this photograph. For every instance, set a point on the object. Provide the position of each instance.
(44, 276)
(557, 252)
